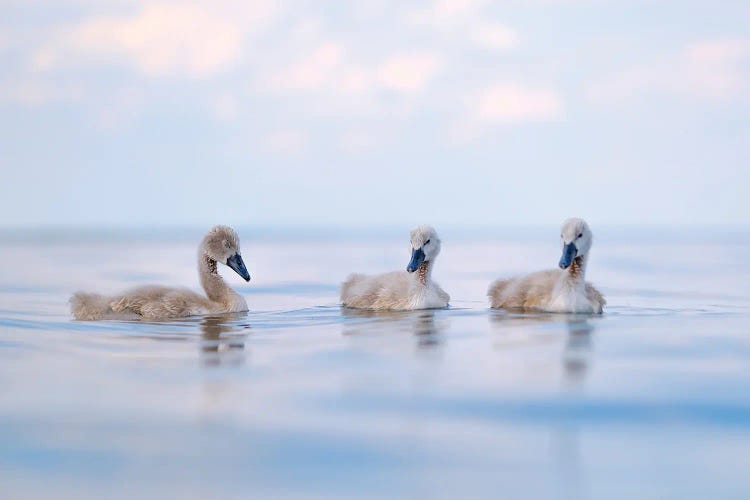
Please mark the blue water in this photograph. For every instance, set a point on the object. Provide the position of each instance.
(299, 398)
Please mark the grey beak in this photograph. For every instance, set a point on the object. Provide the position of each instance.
(238, 265)
(570, 251)
(417, 257)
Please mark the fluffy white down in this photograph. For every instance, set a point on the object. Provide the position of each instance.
(400, 290)
(159, 302)
(556, 290)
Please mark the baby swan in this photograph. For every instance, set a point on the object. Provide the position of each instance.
(561, 290)
(221, 244)
(400, 291)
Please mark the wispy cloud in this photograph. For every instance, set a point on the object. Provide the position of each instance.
(505, 103)
(301, 64)
(717, 70)
(409, 71)
(513, 102)
(330, 67)
(447, 14)
(157, 40)
(495, 36)
(465, 21)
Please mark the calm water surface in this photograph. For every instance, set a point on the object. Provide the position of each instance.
(299, 398)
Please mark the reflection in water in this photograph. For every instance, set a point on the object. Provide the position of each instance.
(577, 354)
(528, 330)
(518, 330)
(566, 439)
(422, 324)
(426, 329)
(219, 349)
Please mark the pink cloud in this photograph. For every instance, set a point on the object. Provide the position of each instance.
(710, 69)
(513, 102)
(163, 39)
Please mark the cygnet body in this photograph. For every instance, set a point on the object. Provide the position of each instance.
(220, 245)
(400, 291)
(563, 290)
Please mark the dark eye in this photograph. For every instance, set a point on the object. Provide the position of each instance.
(580, 235)
(426, 242)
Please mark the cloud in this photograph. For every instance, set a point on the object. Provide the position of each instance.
(717, 69)
(495, 36)
(464, 21)
(408, 72)
(330, 68)
(505, 103)
(159, 40)
(447, 14)
(321, 68)
(513, 102)
(295, 66)
(711, 69)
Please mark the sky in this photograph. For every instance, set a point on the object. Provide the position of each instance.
(384, 112)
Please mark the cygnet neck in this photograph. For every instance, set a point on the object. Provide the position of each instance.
(423, 272)
(213, 284)
(576, 273)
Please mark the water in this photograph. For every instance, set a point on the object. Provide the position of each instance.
(301, 399)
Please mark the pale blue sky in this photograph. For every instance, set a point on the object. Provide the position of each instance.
(381, 112)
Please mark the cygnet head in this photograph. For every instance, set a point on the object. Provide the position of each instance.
(575, 238)
(425, 246)
(222, 244)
